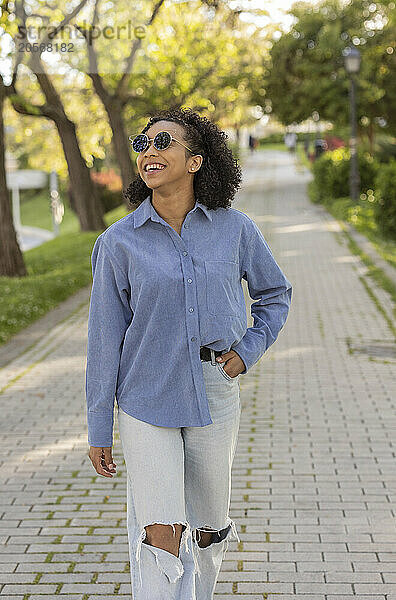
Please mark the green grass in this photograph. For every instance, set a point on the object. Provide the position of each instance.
(35, 212)
(379, 277)
(360, 216)
(302, 157)
(273, 146)
(56, 269)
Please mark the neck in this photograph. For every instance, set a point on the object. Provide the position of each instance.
(173, 206)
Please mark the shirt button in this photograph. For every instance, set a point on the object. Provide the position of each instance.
(189, 280)
(185, 253)
(191, 309)
(193, 339)
(185, 226)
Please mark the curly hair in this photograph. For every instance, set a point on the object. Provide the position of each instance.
(219, 177)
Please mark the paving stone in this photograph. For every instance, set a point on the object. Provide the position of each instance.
(114, 577)
(239, 597)
(56, 597)
(323, 588)
(89, 588)
(357, 597)
(111, 567)
(41, 567)
(115, 597)
(21, 558)
(29, 589)
(326, 567)
(374, 588)
(82, 557)
(16, 578)
(46, 548)
(66, 578)
(293, 597)
(360, 577)
(264, 588)
(8, 567)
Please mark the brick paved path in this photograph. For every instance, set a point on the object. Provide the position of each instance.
(314, 478)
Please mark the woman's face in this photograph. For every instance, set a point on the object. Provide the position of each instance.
(176, 167)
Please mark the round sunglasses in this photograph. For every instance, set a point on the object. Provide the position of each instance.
(161, 141)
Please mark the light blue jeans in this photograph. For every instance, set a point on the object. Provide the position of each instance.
(182, 475)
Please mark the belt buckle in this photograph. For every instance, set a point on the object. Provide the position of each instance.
(212, 357)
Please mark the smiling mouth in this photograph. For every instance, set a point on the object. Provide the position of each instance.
(148, 169)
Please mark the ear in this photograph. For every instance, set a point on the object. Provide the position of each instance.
(196, 163)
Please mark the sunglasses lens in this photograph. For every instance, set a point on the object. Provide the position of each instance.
(162, 140)
(140, 142)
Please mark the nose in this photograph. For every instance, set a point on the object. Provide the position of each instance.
(150, 148)
(148, 153)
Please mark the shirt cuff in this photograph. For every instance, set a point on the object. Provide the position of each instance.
(100, 429)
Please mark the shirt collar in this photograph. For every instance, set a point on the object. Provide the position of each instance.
(146, 210)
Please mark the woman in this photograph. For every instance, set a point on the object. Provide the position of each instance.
(167, 336)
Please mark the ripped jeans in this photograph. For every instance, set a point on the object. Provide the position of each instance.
(182, 475)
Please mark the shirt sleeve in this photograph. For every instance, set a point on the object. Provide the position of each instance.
(272, 291)
(109, 317)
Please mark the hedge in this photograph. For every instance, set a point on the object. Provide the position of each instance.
(385, 195)
(331, 175)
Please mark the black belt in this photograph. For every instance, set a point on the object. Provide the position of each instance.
(204, 353)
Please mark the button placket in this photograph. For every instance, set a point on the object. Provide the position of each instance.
(190, 296)
(192, 325)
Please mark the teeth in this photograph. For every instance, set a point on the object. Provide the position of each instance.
(154, 166)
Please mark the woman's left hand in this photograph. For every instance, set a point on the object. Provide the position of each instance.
(233, 361)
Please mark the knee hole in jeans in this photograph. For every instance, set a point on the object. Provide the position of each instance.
(208, 536)
(159, 535)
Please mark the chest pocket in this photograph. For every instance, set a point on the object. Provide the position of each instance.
(221, 282)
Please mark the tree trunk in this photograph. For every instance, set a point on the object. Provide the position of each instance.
(88, 208)
(122, 147)
(371, 136)
(86, 203)
(114, 103)
(11, 258)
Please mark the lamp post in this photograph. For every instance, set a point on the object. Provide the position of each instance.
(352, 60)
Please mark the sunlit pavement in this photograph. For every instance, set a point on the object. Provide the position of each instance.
(314, 477)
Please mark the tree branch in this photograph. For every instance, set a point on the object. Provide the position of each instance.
(123, 82)
(24, 107)
(197, 83)
(96, 79)
(65, 21)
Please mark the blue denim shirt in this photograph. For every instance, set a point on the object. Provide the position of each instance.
(158, 296)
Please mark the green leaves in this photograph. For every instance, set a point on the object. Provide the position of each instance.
(307, 71)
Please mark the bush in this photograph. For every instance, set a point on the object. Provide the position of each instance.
(109, 199)
(109, 186)
(386, 151)
(235, 149)
(109, 190)
(273, 138)
(333, 142)
(385, 207)
(331, 175)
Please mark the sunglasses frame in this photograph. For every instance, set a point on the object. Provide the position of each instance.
(172, 139)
